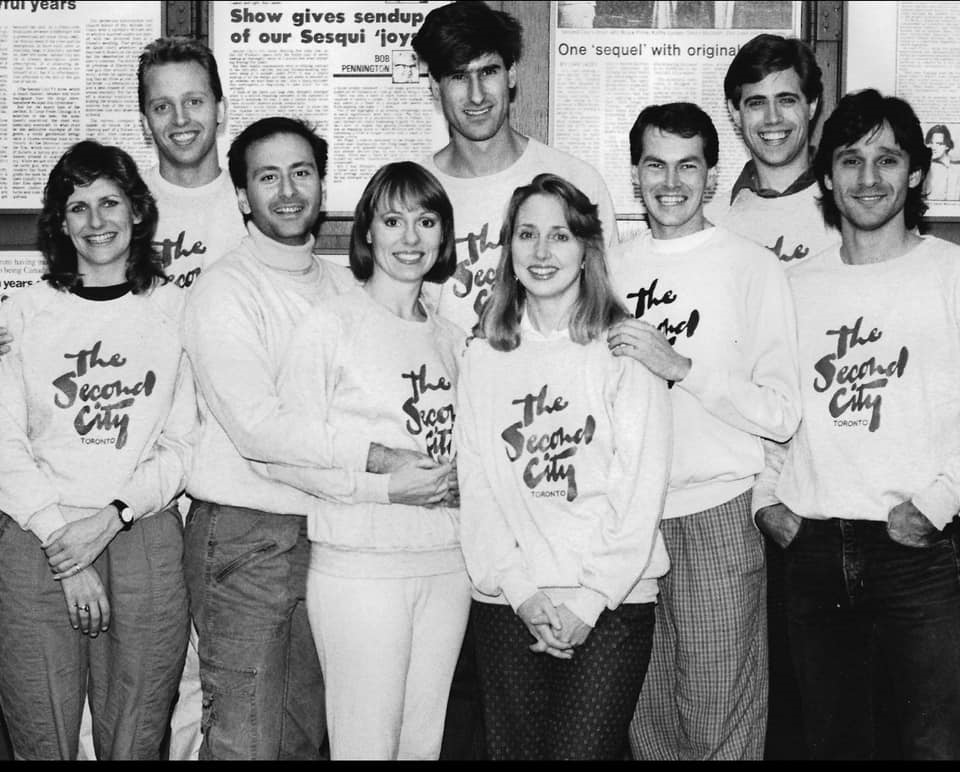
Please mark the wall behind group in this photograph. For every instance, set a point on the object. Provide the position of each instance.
(823, 29)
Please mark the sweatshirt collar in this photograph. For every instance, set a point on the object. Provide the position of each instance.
(750, 180)
(282, 257)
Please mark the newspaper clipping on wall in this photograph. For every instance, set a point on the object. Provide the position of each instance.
(347, 68)
(611, 58)
(927, 78)
(923, 72)
(67, 72)
(19, 269)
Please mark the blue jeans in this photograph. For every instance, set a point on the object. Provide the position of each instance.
(130, 672)
(855, 595)
(259, 671)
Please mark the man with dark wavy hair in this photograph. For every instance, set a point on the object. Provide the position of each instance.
(864, 500)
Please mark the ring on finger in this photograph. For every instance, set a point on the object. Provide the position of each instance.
(84, 607)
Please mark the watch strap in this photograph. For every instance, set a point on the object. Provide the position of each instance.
(122, 510)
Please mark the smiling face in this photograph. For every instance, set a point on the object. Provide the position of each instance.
(476, 98)
(673, 175)
(547, 257)
(404, 242)
(283, 192)
(183, 116)
(99, 220)
(870, 179)
(774, 118)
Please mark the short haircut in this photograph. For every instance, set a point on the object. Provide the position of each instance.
(940, 129)
(454, 35)
(597, 308)
(176, 49)
(82, 164)
(767, 53)
(862, 114)
(268, 127)
(684, 119)
(410, 186)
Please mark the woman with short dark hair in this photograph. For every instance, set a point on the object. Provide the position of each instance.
(387, 592)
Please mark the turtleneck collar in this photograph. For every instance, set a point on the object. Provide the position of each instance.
(281, 257)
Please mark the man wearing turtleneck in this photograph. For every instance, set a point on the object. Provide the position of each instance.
(246, 550)
(713, 318)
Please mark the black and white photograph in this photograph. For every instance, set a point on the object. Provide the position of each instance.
(479, 380)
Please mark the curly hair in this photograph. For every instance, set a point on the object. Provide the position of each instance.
(82, 164)
(453, 35)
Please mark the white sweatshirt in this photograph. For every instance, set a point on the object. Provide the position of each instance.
(479, 204)
(790, 226)
(722, 301)
(197, 226)
(96, 404)
(879, 368)
(238, 321)
(367, 374)
(563, 458)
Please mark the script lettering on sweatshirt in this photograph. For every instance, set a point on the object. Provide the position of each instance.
(104, 414)
(172, 250)
(857, 384)
(434, 422)
(466, 277)
(799, 251)
(548, 453)
(647, 298)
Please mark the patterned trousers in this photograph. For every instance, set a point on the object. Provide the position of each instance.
(705, 695)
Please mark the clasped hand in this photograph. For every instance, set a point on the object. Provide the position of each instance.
(557, 629)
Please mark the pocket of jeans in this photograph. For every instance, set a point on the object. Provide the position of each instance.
(229, 713)
(245, 559)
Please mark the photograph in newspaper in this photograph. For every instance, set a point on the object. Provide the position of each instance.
(347, 68)
(67, 72)
(610, 58)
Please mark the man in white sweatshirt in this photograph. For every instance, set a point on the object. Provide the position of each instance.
(246, 550)
(183, 108)
(713, 318)
(774, 90)
(865, 498)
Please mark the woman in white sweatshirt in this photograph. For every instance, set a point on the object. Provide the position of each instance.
(563, 459)
(95, 409)
(387, 592)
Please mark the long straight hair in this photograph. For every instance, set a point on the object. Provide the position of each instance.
(596, 308)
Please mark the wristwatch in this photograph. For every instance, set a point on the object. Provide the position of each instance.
(124, 513)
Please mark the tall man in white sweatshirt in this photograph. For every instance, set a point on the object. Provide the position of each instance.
(774, 93)
(713, 318)
(864, 500)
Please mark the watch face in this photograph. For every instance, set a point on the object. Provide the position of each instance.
(126, 515)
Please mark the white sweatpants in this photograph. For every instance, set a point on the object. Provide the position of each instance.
(388, 648)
